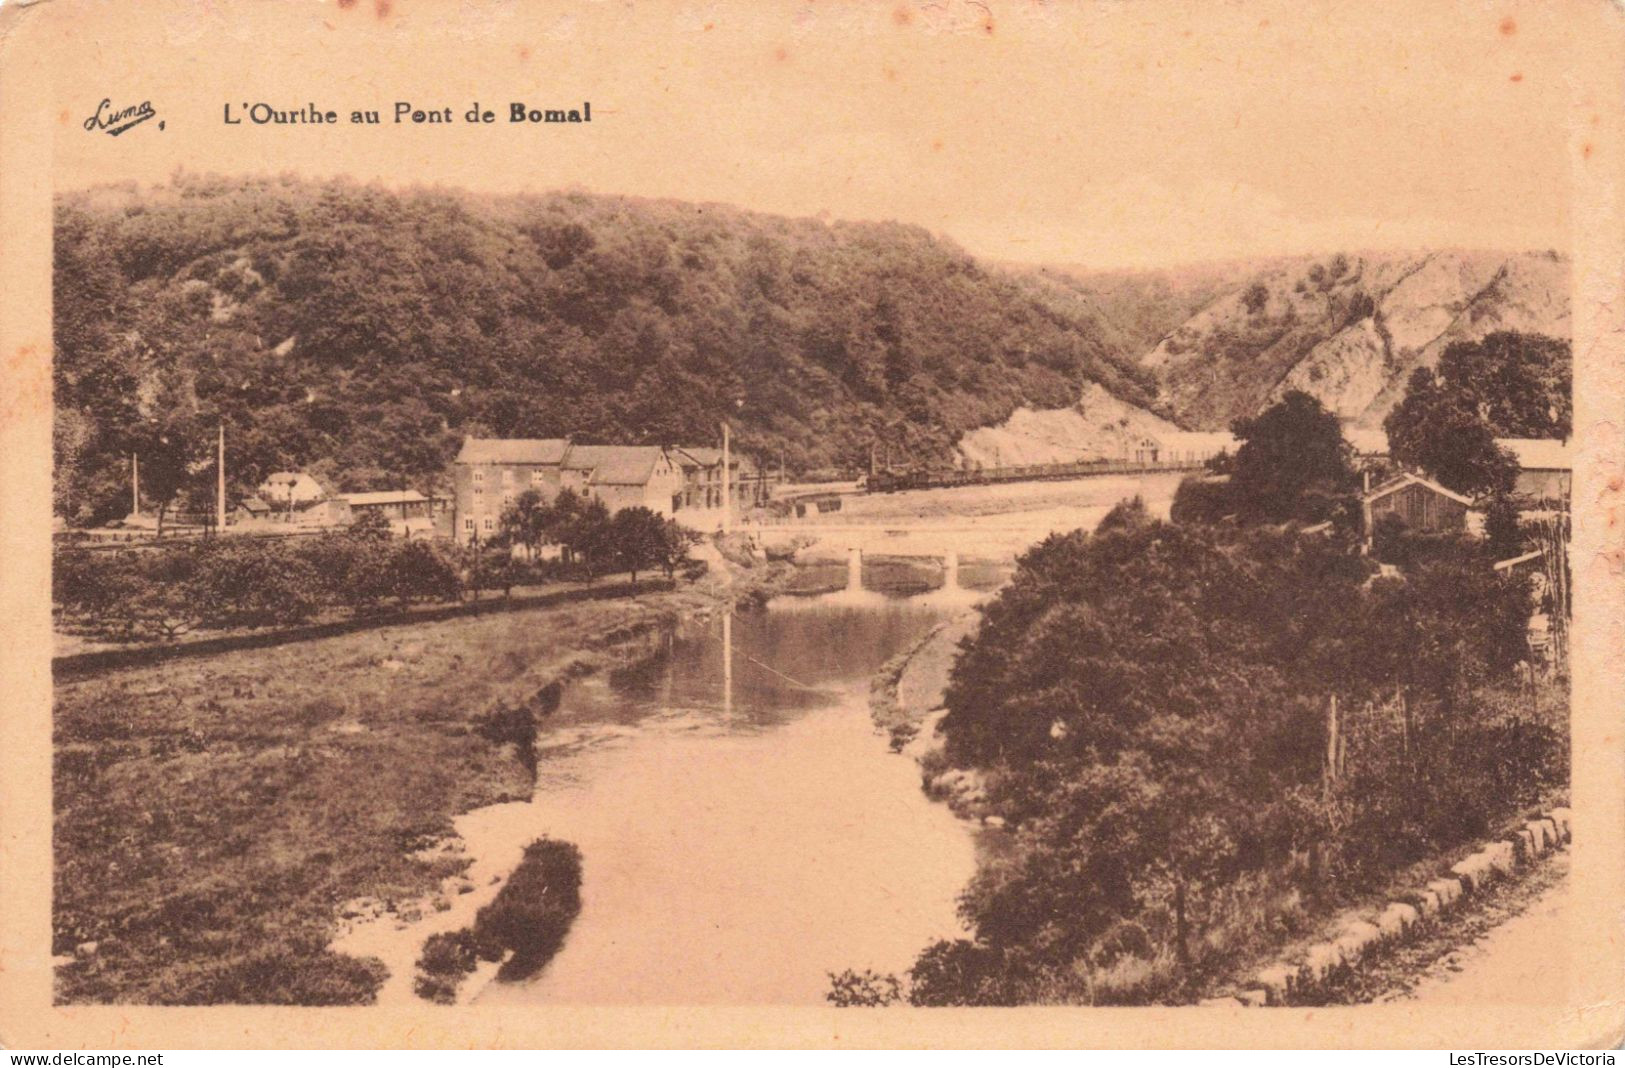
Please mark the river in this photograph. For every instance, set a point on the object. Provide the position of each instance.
(739, 840)
(744, 828)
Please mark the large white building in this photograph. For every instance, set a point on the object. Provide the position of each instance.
(489, 474)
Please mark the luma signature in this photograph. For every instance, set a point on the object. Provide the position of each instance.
(114, 122)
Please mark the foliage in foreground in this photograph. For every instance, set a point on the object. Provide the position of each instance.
(523, 927)
(1152, 707)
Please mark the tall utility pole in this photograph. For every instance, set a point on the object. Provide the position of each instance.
(220, 486)
(135, 483)
(727, 501)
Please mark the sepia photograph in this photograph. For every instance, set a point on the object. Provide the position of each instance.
(862, 510)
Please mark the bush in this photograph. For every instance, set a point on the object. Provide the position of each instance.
(1201, 499)
(250, 582)
(421, 570)
(533, 912)
(866, 989)
(447, 958)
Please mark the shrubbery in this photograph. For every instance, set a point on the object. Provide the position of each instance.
(523, 927)
(1150, 708)
(533, 912)
(164, 591)
(142, 594)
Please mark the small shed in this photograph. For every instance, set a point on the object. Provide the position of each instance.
(1424, 505)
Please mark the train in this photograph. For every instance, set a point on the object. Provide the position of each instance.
(936, 478)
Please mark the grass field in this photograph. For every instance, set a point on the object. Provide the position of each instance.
(213, 814)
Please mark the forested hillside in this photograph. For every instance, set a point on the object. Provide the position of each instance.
(358, 332)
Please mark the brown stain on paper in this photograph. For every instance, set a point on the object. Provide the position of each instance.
(30, 380)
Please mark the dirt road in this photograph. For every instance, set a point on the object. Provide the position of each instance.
(1511, 962)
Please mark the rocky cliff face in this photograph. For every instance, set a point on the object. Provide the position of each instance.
(1098, 427)
(1350, 329)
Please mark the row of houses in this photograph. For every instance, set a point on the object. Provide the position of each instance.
(682, 482)
(489, 474)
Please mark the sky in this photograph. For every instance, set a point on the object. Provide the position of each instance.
(1118, 133)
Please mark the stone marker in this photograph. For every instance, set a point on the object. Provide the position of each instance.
(1538, 829)
(1428, 903)
(1322, 960)
(1553, 839)
(1503, 857)
(1396, 919)
(1357, 939)
(1474, 871)
(1526, 846)
(1560, 816)
(1449, 891)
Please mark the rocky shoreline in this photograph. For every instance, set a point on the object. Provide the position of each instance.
(906, 702)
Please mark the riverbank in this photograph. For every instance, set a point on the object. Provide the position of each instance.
(215, 816)
(906, 702)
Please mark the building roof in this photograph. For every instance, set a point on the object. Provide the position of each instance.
(709, 456)
(254, 504)
(1539, 454)
(1399, 482)
(382, 497)
(615, 465)
(513, 451)
(298, 486)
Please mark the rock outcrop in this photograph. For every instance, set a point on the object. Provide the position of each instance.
(1350, 329)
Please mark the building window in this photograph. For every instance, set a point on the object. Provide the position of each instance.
(479, 491)
(468, 523)
(488, 524)
(479, 476)
(507, 500)
(537, 478)
(507, 475)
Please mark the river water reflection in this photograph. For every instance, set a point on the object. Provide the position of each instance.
(740, 840)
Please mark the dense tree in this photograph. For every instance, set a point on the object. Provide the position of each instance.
(1435, 430)
(526, 521)
(1150, 708)
(638, 539)
(1292, 461)
(1508, 385)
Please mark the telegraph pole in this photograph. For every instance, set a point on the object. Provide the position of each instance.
(135, 483)
(220, 485)
(727, 501)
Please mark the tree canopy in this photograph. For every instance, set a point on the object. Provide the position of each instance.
(1508, 385)
(1149, 706)
(1292, 461)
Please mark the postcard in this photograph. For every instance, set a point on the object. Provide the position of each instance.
(930, 523)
